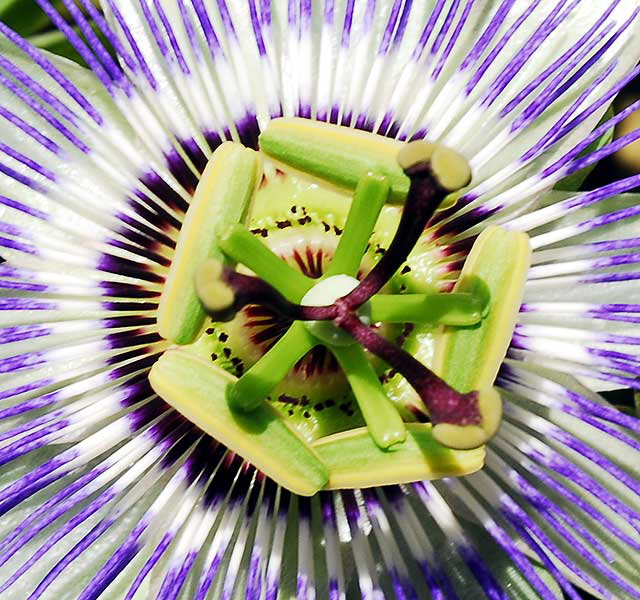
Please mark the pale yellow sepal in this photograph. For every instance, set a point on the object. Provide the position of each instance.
(198, 390)
(355, 461)
(221, 199)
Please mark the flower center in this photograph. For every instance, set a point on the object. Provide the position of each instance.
(325, 293)
(330, 312)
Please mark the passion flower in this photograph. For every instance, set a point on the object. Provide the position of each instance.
(158, 407)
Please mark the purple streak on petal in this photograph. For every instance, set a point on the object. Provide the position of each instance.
(21, 361)
(452, 40)
(144, 67)
(595, 515)
(172, 37)
(306, 15)
(207, 580)
(614, 261)
(495, 51)
(32, 481)
(49, 510)
(402, 24)
(9, 229)
(446, 25)
(595, 457)
(25, 160)
(23, 179)
(109, 34)
(32, 424)
(477, 566)
(34, 105)
(31, 131)
(429, 26)
(189, 29)
(25, 304)
(265, 12)
(38, 90)
(155, 30)
(329, 11)
(594, 157)
(369, 16)
(546, 28)
(558, 63)
(210, 35)
(611, 278)
(567, 469)
(521, 561)
(598, 56)
(22, 389)
(561, 129)
(81, 547)
(385, 42)
(96, 45)
(516, 521)
(18, 333)
(127, 551)
(292, 14)
(437, 581)
(257, 28)
(555, 88)
(254, 576)
(488, 34)
(402, 587)
(62, 531)
(181, 575)
(348, 23)
(76, 41)
(548, 509)
(608, 245)
(53, 72)
(226, 19)
(31, 442)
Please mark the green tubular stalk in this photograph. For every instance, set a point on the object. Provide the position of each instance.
(245, 248)
(380, 414)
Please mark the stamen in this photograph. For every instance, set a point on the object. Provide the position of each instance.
(434, 171)
(243, 247)
(384, 423)
(254, 386)
(369, 198)
(223, 292)
(458, 309)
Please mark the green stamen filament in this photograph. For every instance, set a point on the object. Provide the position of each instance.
(254, 386)
(370, 196)
(384, 423)
(245, 248)
(459, 309)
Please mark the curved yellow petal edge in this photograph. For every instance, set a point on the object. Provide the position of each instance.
(468, 358)
(198, 390)
(355, 461)
(221, 199)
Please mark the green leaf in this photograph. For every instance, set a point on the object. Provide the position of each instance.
(573, 182)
